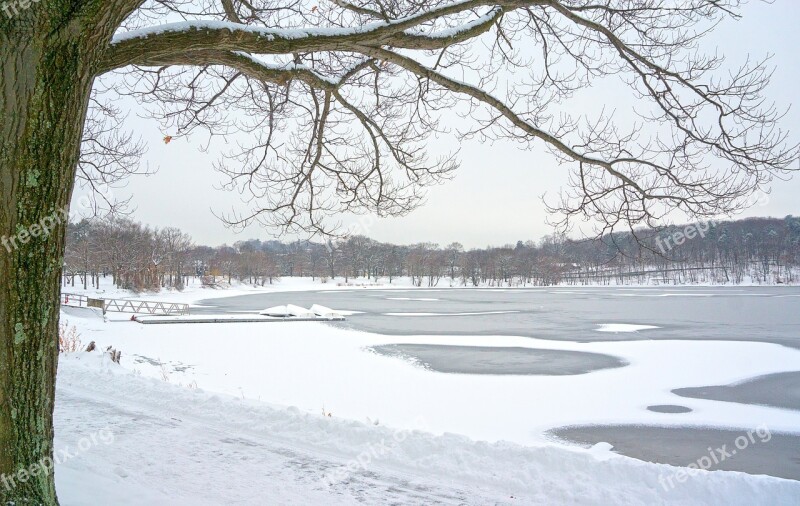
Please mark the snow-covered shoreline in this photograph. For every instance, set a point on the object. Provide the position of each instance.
(249, 360)
(310, 364)
(194, 292)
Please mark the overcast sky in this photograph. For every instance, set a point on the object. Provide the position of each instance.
(495, 196)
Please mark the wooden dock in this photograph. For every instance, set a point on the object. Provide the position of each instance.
(254, 318)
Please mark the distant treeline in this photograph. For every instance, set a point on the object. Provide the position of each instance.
(760, 250)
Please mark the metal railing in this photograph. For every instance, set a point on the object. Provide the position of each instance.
(74, 299)
(125, 306)
(144, 306)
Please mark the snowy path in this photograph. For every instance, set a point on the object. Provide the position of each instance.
(218, 456)
(173, 445)
(212, 464)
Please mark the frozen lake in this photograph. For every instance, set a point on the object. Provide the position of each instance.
(588, 315)
(766, 314)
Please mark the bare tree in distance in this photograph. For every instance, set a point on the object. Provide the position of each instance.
(330, 106)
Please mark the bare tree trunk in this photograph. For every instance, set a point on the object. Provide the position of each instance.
(44, 93)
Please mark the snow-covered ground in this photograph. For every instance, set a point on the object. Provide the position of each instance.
(157, 443)
(200, 415)
(194, 290)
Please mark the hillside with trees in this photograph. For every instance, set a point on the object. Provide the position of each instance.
(757, 250)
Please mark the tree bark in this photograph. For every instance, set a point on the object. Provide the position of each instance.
(44, 92)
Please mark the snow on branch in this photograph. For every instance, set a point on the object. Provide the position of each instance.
(378, 27)
(144, 45)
